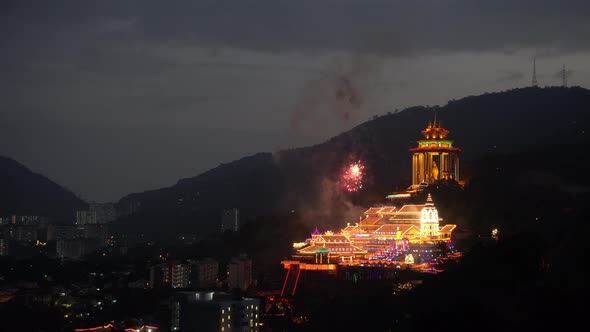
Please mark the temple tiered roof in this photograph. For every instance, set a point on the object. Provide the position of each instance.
(448, 228)
(435, 139)
(371, 220)
(333, 248)
(382, 210)
(396, 229)
(408, 214)
(435, 131)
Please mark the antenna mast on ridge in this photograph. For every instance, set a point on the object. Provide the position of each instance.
(563, 77)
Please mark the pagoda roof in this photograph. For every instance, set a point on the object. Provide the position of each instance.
(388, 209)
(435, 130)
(381, 210)
(448, 228)
(338, 248)
(408, 213)
(350, 229)
(392, 229)
(371, 220)
(404, 194)
(435, 148)
(333, 238)
(411, 208)
(373, 210)
(370, 228)
(435, 139)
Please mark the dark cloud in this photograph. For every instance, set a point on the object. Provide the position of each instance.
(79, 76)
(511, 76)
(559, 74)
(390, 27)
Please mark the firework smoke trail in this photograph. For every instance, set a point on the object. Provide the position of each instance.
(353, 177)
(338, 94)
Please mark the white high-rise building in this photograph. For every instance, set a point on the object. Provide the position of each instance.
(180, 275)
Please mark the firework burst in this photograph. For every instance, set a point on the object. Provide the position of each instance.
(353, 177)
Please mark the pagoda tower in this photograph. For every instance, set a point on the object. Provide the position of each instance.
(429, 219)
(435, 158)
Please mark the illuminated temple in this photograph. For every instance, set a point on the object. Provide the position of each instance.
(411, 235)
(435, 158)
(384, 233)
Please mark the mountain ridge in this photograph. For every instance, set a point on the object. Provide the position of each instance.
(24, 192)
(306, 179)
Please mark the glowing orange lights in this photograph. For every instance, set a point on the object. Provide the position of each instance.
(296, 282)
(111, 326)
(286, 278)
(310, 267)
(108, 326)
(294, 269)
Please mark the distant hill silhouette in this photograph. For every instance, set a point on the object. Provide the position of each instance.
(305, 180)
(23, 192)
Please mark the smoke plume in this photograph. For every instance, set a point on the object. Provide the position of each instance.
(338, 98)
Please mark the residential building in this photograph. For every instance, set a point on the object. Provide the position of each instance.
(75, 248)
(60, 232)
(85, 217)
(239, 273)
(204, 273)
(214, 311)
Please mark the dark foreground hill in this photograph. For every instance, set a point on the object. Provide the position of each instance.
(23, 192)
(306, 180)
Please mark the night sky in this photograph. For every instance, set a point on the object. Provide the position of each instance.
(113, 97)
